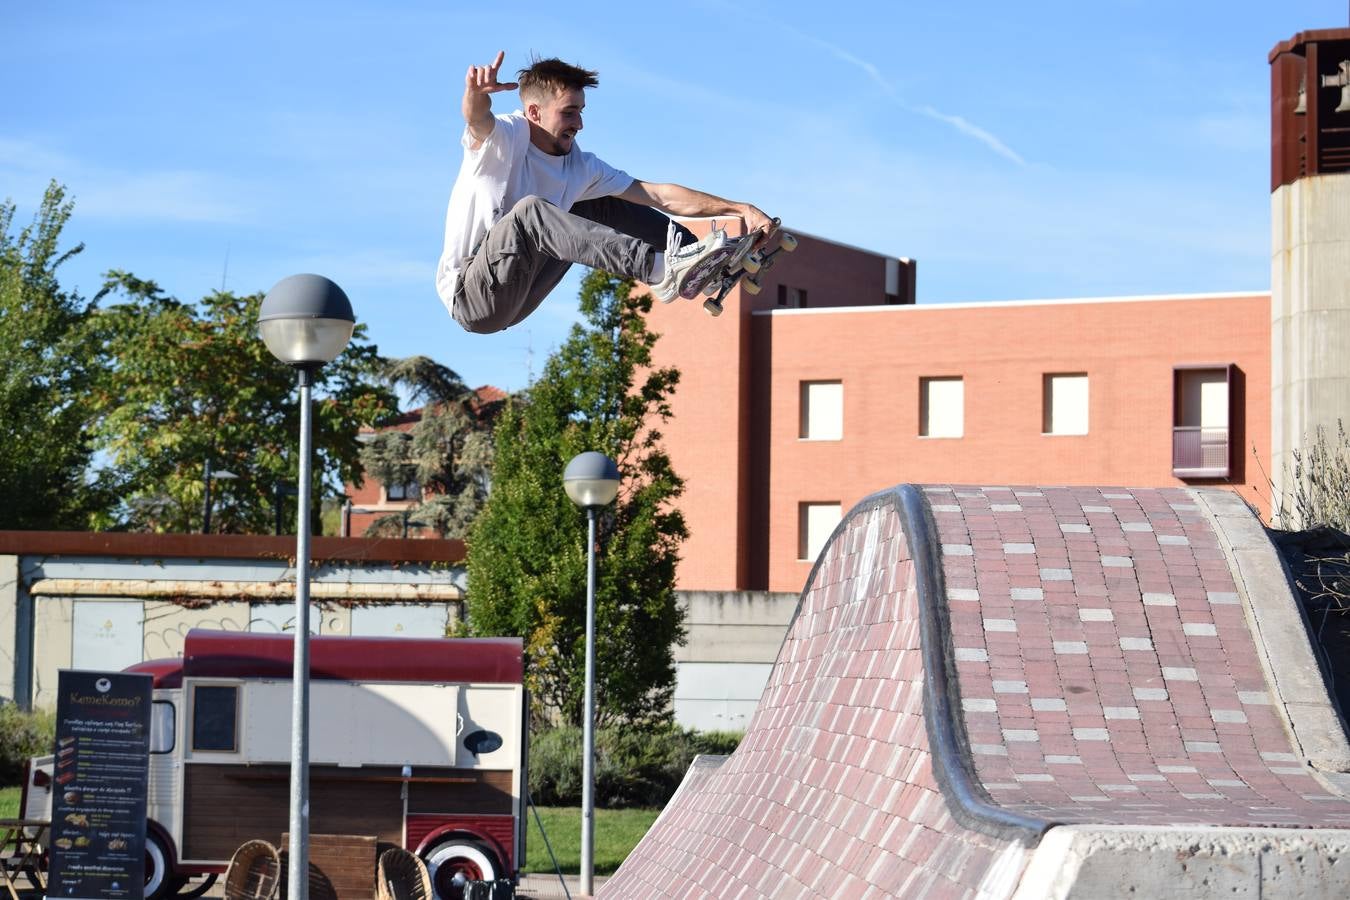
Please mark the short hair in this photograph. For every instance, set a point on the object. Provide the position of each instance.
(546, 77)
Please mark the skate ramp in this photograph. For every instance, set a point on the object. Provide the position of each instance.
(1040, 692)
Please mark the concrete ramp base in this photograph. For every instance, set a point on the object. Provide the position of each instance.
(999, 692)
(1080, 862)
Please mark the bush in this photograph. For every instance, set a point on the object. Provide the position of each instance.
(633, 767)
(1319, 487)
(23, 735)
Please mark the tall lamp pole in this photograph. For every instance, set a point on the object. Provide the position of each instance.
(306, 321)
(591, 481)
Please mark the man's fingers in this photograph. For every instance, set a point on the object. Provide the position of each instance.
(484, 78)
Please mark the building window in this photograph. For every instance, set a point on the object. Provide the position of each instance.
(215, 719)
(815, 524)
(1064, 403)
(410, 491)
(941, 407)
(822, 411)
(791, 298)
(1201, 413)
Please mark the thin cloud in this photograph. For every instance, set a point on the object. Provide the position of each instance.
(171, 196)
(960, 123)
(972, 130)
(166, 196)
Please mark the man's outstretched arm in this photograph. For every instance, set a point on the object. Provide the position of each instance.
(678, 200)
(480, 83)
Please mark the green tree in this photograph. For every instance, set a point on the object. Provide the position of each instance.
(527, 554)
(188, 382)
(46, 368)
(447, 451)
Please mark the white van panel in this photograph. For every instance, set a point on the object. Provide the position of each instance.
(355, 724)
(495, 708)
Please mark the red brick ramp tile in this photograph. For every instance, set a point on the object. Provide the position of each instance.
(990, 691)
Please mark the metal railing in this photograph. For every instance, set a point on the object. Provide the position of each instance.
(1200, 452)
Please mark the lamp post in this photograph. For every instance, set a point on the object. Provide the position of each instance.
(207, 475)
(592, 481)
(306, 321)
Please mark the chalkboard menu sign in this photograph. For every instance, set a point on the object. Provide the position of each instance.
(98, 802)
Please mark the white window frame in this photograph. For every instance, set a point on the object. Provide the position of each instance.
(805, 552)
(1048, 417)
(811, 413)
(925, 418)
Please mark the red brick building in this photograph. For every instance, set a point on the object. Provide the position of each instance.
(798, 402)
(373, 500)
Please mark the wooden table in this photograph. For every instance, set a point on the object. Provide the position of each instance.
(21, 850)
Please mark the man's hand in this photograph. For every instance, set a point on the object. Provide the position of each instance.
(757, 220)
(483, 79)
(480, 83)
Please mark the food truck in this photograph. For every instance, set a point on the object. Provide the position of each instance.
(418, 742)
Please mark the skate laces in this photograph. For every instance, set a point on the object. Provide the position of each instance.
(673, 240)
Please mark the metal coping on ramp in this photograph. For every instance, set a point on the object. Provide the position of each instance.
(969, 668)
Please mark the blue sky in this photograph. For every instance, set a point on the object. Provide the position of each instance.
(1042, 149)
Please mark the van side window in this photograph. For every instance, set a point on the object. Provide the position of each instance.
(162, 722)
(215, 718)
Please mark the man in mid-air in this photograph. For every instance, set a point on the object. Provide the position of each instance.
(528, 203)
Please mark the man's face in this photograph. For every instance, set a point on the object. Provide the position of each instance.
(559, 120)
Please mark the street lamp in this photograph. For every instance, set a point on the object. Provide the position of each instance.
(306, 321)
(592, 481)
(207, 475)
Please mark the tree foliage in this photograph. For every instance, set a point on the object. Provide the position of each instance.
(46, 369)
(447, 451)
(527, 554)
(188, 382)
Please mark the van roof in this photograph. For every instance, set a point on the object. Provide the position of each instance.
(238, 654)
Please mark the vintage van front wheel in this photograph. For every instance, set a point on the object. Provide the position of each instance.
(159, 882)
(453, 863)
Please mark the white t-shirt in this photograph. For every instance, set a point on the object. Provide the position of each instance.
(496, 176)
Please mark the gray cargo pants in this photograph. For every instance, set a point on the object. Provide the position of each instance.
(524, 256)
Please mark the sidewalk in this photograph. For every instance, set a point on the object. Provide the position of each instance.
(539, 886)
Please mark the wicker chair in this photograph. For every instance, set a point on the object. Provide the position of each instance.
(254, 872)
(401, 875)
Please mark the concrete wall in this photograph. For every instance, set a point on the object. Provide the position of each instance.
(9, 615)
(106, 612)
(1310, 314)
(1089, 862)
(733, 640)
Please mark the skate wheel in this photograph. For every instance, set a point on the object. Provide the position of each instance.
(712, 308)
(752, 286)
(752, 263)
(788, 242)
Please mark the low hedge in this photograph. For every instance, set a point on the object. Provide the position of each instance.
(23, 735)
(633, 768)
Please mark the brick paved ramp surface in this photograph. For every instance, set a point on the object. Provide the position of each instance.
(1039, 692)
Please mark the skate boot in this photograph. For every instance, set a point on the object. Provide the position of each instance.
(689, 269)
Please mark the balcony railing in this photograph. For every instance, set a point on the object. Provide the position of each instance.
(1200, 452)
